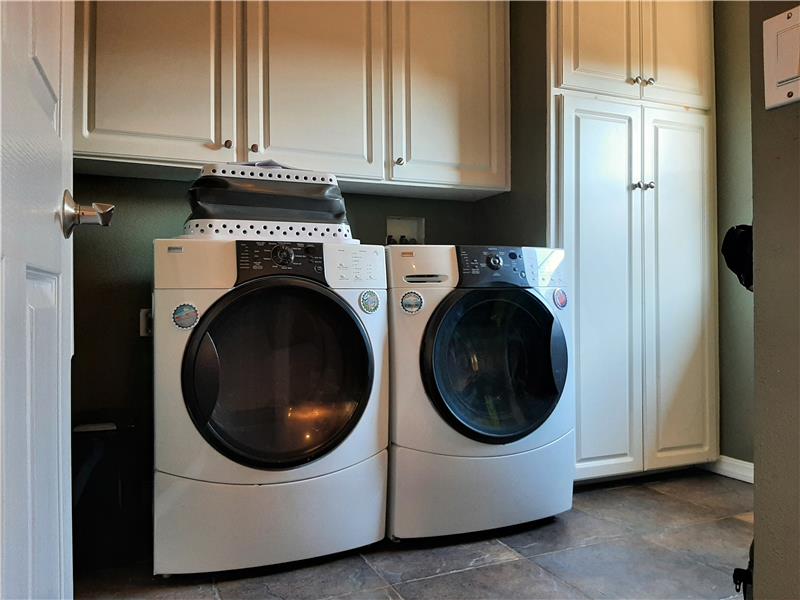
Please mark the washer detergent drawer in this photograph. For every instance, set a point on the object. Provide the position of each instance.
(433, 494)
(202, 527)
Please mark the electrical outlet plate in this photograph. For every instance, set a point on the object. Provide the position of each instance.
(413, 228)
(782, 58)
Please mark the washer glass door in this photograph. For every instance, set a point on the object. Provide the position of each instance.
(494, 362)
(277, 372)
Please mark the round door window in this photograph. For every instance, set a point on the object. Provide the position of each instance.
(494, 363)
(277, 372)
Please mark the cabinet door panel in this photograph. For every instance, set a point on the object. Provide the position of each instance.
(599, 46)
(677, 52)
(681, 407)
(315, 85)
(156, 81)
(449, 93)
(603, 234)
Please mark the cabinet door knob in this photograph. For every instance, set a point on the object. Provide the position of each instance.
(638, 185)
(651, 81)
(637, 80)
(650, 186)
(254, 148)
(228, 143)
(400, 161)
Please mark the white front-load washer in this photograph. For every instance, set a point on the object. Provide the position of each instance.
(482, 401)
(271, 401)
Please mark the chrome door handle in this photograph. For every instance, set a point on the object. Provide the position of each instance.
(638, 185)
(73, 214)
(651, 81)
(650, 185)
(400, 161)
(637, 80)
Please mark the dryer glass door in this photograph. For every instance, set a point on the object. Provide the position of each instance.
(277, 372)
(494, 362)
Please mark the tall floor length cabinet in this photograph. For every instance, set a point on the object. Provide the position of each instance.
(634, 206)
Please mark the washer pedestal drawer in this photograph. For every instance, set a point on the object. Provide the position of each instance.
(202, 527)
(434, 494)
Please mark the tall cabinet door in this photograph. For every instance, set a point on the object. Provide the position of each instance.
(602, 212)
(315, 81)
(681, 407)
(677, 52)
(156, 81)
(599, 46)
(450, 93)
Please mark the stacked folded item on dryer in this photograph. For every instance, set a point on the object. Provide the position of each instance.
(267, 201)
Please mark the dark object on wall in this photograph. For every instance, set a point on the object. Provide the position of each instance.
(737, 249)
(220, 195)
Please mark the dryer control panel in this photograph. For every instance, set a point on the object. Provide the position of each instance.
(491, 266)
(256, 259)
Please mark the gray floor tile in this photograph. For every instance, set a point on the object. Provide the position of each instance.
(518, 579)
(139, 583)
(385, 593)
(642, 508)
(634, 568)
(567, 530)
(724, 494)
(350, 574)
(724, 544)
(404, 563)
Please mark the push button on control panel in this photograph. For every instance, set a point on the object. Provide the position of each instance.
(560, 298)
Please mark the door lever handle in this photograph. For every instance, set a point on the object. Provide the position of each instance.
(74, 214)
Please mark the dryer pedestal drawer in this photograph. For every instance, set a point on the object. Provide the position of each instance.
(435, 494)
(201, 527)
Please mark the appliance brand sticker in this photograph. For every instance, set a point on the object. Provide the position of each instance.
(369, 302)
(411, 302)
(185, 316)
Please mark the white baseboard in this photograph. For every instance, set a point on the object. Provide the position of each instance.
(733, 468)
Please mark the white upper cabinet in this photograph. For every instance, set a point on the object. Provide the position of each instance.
(312, 85)
(600, 46)
(450, 93)
(677, 52)
(156, 82)
(649, 49)
(680, 264)
(315, 85)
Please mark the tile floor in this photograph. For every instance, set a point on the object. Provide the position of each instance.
(674, 536)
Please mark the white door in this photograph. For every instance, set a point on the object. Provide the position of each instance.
(449, 93)
(315, 85)
(36, 300)
(156, 81)
(677, 52)
(599, 46)
(680, 412)
(603, 227)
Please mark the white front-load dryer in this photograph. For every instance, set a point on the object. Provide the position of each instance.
(482, 400)
(271, 401)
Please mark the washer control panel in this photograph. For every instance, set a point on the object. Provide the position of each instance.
(256, 259)
(491, 266)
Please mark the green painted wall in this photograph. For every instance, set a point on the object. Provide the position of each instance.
(735, 206)
(776, 216)
(519, 217)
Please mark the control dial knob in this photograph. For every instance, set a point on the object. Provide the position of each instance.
(494, 262)
(282, 255)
